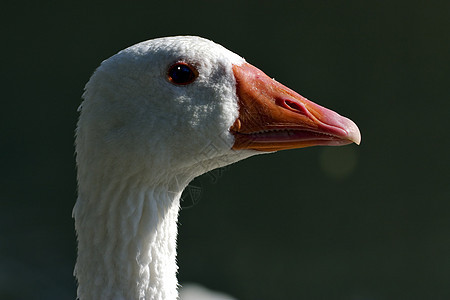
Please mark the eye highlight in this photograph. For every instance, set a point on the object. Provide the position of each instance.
(182, 73)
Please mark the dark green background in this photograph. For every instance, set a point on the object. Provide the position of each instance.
(369, 222)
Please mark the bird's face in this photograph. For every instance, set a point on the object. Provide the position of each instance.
(186, 103)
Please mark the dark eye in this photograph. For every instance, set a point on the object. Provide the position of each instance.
(181, 73)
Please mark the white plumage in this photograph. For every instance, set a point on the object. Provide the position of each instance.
(142, 137)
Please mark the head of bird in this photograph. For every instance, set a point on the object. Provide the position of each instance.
(181, 106)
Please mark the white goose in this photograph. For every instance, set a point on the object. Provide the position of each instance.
(155, 116)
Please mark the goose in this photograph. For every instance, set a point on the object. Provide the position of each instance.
(153, 117)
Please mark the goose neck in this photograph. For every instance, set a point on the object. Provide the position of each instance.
(127, 242)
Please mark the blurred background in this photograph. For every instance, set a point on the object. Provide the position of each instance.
(369, 222)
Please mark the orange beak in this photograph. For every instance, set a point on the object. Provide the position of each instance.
(273, 117)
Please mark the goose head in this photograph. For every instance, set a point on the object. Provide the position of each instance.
(155, 116)
(178, 107)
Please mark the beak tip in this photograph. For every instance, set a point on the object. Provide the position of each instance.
(354, 134)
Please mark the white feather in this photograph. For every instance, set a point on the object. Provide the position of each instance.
(140, 140)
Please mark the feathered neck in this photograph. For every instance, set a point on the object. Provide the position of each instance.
(126, 240)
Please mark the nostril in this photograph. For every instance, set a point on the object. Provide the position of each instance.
(292, 105)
